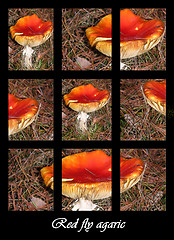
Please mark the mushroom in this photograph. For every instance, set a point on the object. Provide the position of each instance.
(86, 176)
(154, 93)
(100, 36)
(47, 175)
(21, 113)
(85, 99)
(138, 35)
(131, 171)
(30, 31)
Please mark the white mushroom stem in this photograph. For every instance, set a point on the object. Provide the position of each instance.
(82, 121)
(27, 56)
(83, 205)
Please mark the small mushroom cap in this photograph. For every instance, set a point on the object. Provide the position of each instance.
(86, 98)
(138, 35)
(47, 175)
(100, 36)
(131, 171)
(21, 113)
(31, 31)
(87, 175)
(155, 94)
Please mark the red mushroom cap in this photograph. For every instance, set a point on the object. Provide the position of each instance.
(100, 36)
(21, 113)
(86, 98)
(31, 31)
(87, 174)
(155, 94)
(47, 175)
(138, 35)
(131, 171)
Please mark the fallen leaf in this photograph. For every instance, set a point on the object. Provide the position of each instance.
(38, 203)
(40, 55)
(10, 49)
(97, 119)
(83, 62)
(63, 115)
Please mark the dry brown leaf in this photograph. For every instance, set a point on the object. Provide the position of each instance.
(83, 62)
(10, 50)
(97, 119)
(63, 115)
(40, 55)
(39, 203)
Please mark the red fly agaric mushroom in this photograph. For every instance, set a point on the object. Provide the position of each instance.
(30, 31)
(131, 171)
(21, 113)
(47, 175)
(85, 99)
(100, 36)
(86, 176)
(155, 94)
(138, 35)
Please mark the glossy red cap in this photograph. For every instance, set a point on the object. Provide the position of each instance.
(31, 31)
(86, 98)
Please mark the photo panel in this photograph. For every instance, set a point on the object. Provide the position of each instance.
(86, 39)
(87, 109)
(143, 109)
(30, 109)
(143, 180)
(143, 39)
(28, 180)
(30, 39)
(86, 179)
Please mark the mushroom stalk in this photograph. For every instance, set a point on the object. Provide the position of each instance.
(27, 56)
(84, 205)
(82, 121)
